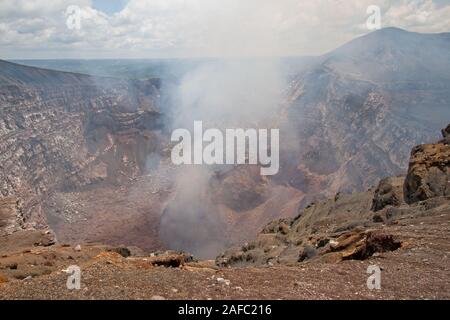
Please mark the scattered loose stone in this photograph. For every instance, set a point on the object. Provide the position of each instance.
(222, 280)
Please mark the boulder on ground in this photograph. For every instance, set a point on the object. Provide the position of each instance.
(372, 243)
(446, 134)
(123, 251)
(429, 172)
(358, 246)
(170, 259)
(388, 193)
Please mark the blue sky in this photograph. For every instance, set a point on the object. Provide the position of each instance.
(109, 6)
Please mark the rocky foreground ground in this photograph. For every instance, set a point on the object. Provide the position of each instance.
(419, 269)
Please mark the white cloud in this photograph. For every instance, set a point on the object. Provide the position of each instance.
(148, 28)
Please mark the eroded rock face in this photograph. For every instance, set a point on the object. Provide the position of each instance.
(388, 193)
(446, 134)
(369, 244)
(64, 131)
(10, 215)
(429, 172)
(446, 131)
(307, 236)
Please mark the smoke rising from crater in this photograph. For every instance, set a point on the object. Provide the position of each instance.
(228, 93)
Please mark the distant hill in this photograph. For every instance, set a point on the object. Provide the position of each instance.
(16, 74)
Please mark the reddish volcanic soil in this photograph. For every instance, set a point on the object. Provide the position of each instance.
(420, 269)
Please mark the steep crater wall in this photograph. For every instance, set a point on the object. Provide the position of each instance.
(72, 135)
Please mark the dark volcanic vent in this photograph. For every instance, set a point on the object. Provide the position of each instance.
(191, 221)
(192, 229)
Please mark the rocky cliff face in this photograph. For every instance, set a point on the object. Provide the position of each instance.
(429, 171)
(11, 216)
(356, 113)
(388, 193)
(63, 131)
(446, 134)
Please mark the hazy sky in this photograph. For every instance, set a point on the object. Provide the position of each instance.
(199, 28)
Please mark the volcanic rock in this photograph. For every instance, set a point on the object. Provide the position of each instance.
(429, 172)
(170, 259)
(446, 134)
(10, 215)
(388, 193)
(62, 133)
(369, 244)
